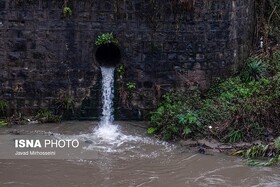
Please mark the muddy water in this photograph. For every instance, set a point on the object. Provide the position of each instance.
(131, 159)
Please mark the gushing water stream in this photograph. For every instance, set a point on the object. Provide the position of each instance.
(107, 95)
(108, 136)
(122, 155)
(106, 130)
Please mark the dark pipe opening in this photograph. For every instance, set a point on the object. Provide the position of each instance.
(108, 55)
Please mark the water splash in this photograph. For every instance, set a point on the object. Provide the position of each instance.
(133, 145)
(107, 136)
(106, 130)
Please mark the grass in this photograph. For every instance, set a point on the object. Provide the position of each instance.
(241, 108)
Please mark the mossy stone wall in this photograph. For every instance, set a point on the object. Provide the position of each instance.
(164, 46)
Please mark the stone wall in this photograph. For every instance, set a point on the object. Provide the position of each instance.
(47, 59)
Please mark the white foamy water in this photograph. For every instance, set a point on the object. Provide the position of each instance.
(108, 136)
(112, 142)
(107, 96)
(106, 130)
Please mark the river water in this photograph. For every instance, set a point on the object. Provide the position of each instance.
(131, 159)
(120, 154)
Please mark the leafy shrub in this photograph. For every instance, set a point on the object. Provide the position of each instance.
(175, 118)
(237, 110)
(106, 38)
(190, 121)
(131, 85)
(67, 11)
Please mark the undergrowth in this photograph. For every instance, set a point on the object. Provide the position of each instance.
(262, 155)
(240, 108)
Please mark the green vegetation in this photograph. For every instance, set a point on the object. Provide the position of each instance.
(241, 108)
(268, 21)
(262, 155)
(3, 123)
(65, 106)
(120, 70)
(106, 38)
(67, 11)
(131, 85)
(255, 69)
(65, 102)
(3, 106)
(46, 116)
(277, 143)
(176, 117)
